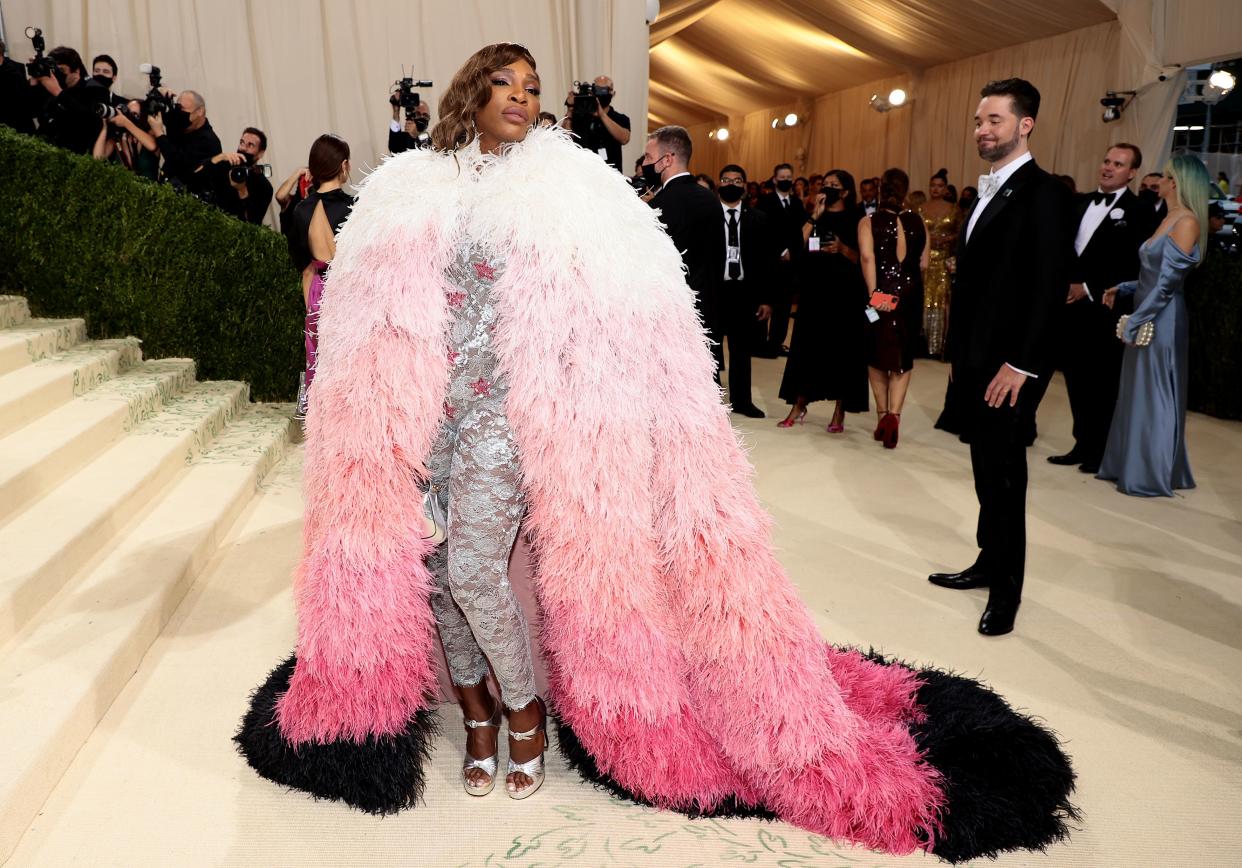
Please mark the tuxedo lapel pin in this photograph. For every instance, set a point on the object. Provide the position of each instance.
(1006, 192)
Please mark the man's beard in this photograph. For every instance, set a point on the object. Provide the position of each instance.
(999, 151)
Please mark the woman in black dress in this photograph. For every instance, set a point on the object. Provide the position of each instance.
(827, 358)
(892, 244)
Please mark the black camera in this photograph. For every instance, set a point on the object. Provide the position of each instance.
(405, 96)
(585, 95)
(156, 102)
(241, 174)
(40, 67)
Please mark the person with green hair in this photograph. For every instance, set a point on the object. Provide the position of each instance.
(1146, 451)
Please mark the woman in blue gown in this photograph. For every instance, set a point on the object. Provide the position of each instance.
(1146, 451)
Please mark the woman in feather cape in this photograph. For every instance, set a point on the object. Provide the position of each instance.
(684, 671)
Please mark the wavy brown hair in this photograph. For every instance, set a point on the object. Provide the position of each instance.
(469, 91)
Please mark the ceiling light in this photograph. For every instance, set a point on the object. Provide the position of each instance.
(896, 97)
(791, 120)
(722, 134)
(1223, 80)
(776, 122)
(1195, 128)
(879, 103)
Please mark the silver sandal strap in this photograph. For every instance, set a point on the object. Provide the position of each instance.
(531, 768)
(487, 765)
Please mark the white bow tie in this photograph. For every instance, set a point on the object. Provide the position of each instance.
(989, 184)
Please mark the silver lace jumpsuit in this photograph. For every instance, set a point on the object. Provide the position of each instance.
(474, 469)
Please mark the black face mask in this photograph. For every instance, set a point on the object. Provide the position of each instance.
(104, 81)
(651, 177)
(605, 100)
(831, 195)
(421, 123)
(1148, 196)
(177, 120)
(784, 186)
(731, 193)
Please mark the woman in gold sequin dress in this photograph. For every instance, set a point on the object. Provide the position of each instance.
(943, 221)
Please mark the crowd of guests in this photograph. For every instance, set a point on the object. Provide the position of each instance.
(868, 268)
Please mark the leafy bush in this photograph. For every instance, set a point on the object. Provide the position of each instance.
(90, 239)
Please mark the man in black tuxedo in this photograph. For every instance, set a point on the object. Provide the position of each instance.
(1149, 195)
(1110, 224)
(690, 213)
(746, 270)
(787, 216)
(1012, 274)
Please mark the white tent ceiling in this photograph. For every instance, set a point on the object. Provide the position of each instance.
(712, 59)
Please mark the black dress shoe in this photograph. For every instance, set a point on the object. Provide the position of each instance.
(750, 411)
(971, 577)
(1092, 467)
(1068, 458)
(1002, 608)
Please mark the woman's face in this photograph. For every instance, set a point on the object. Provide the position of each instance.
(834, 182)
(937, 188)
(1168, 187)
(513, 107)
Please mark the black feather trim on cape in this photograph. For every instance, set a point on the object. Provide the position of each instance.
(1007, 781)
(381, 775)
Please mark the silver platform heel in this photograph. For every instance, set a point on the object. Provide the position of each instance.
(533, 768)
(487, 764)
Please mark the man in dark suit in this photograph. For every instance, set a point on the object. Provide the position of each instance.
(690, 213)
(1149, 195)
(1110, 224)
(787, 216)
(1012, 273)
(746, 270)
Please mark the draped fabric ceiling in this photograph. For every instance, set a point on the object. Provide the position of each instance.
(713, 59)
(742, 63)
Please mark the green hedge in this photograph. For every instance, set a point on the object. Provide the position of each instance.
(1214, 299)
(84, 238)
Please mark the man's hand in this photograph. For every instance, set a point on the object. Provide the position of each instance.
(764, 313)
(1004, 385)
(49, 82)
(1110, 297)
(569, 100)
(156, 123)
(411, 129)
(1077, 292)
(231, 157)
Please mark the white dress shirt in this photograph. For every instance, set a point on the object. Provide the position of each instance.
(737, 206)
(981, 205)
(1091, 220)
(1003, 176)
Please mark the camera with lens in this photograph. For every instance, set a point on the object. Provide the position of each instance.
(585, 95)
(156, 102)
(40, 67)
(405, 97)
(241, 174)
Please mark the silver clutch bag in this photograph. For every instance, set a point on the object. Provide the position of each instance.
(437, 531)
(1142, 337)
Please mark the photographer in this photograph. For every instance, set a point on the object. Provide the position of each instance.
(598, 126)
(413, 133)
(68, 117)
(15, 109)
(103, 73)
(237, 178)
(185, 139)
(126, 137)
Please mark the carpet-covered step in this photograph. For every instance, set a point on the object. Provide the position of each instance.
(48, 541)
(38, 456)
(13, 310)
(36, 339)
(30, 391)
(63, 670)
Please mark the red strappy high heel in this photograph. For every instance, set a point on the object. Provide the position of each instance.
(893, 421)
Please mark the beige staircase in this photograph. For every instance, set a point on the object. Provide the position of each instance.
(118, 478)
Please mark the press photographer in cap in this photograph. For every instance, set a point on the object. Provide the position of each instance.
(239, 183)
(597, 126)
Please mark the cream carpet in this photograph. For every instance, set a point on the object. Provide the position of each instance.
(1129, 644)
